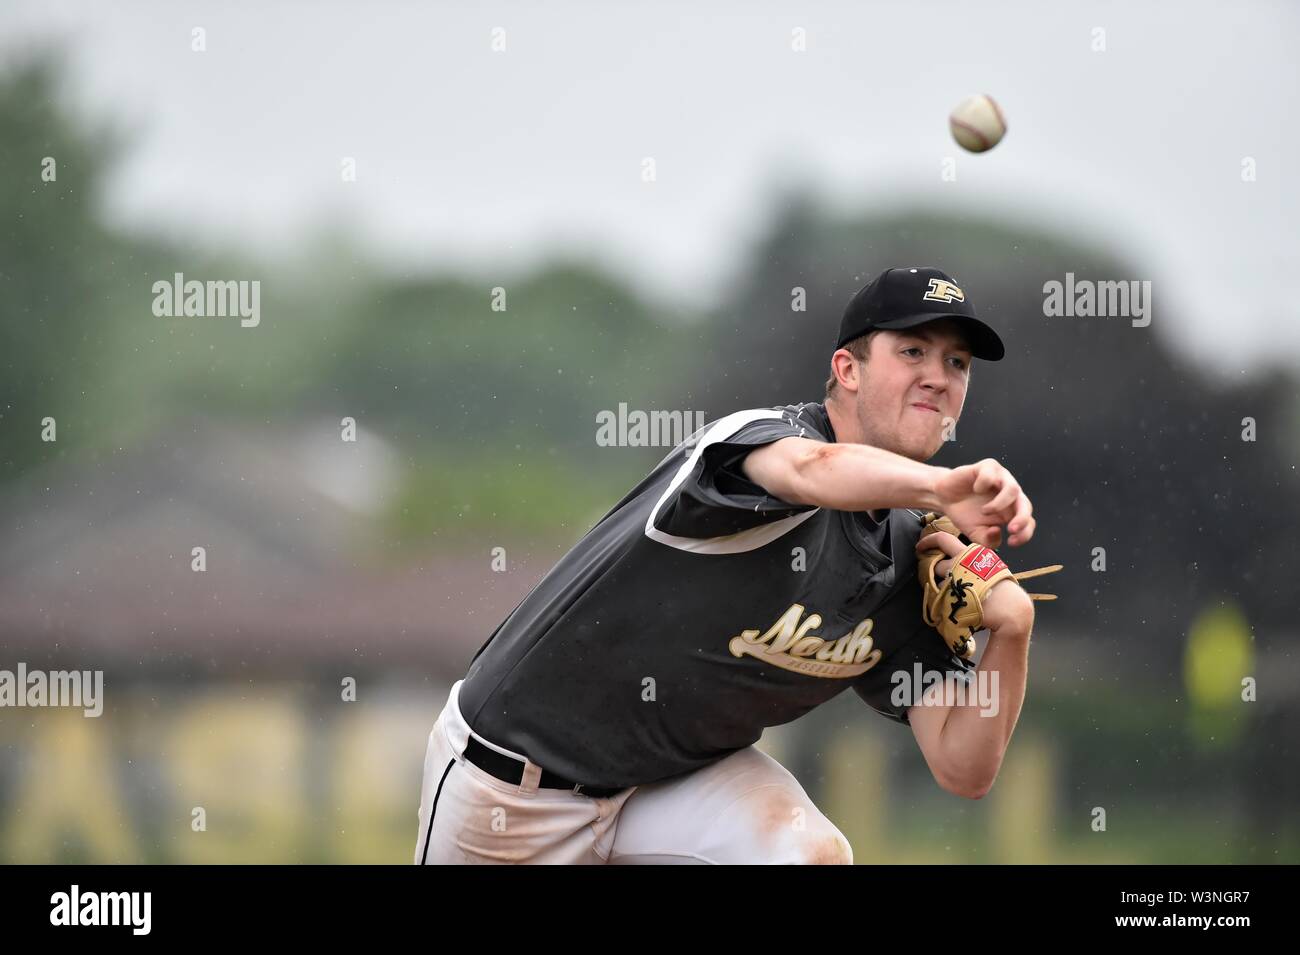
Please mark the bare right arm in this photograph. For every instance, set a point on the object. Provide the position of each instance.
(842, 477)
(979, 498)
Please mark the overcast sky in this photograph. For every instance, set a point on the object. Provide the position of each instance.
(472, 158)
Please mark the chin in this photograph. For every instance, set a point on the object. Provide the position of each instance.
(925, 452)
(919, 445)
(916, 448)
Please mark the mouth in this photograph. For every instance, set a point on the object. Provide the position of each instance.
(925, 407)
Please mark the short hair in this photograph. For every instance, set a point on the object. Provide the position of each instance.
(859, 348)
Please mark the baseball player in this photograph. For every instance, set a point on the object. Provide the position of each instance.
(774, 559)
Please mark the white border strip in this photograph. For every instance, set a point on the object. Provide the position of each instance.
(741, 541)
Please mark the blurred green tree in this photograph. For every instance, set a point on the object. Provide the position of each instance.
(55, 262)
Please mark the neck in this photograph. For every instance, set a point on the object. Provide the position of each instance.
(846, 431)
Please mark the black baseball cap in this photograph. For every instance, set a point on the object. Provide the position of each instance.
(904, 298)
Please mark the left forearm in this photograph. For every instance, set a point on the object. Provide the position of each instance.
(975, 736)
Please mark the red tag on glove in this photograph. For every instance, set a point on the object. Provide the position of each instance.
(984, 563)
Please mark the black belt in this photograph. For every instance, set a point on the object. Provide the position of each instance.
(510, 770)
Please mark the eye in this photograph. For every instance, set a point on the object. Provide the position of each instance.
(960, 363)
(911, 348)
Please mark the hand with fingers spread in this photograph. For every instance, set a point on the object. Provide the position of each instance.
(983, 497)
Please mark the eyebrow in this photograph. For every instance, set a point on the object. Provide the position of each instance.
(927, 337)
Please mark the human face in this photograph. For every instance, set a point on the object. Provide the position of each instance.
(912, 387)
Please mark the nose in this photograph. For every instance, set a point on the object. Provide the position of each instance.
(933, 377)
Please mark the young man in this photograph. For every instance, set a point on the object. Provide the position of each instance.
(765, 565)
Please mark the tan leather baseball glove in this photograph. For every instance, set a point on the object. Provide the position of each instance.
(954, 606)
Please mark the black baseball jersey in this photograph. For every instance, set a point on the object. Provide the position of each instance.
(700, 610)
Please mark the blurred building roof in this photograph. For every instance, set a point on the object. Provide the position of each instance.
(95, 559)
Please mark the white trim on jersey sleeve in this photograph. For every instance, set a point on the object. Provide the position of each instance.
(742, 541)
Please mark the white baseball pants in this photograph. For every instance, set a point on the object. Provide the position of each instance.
(744, 809)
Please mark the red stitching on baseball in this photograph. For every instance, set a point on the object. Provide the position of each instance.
(980, 136)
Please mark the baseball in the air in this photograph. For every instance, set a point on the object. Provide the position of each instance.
(977, 123)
